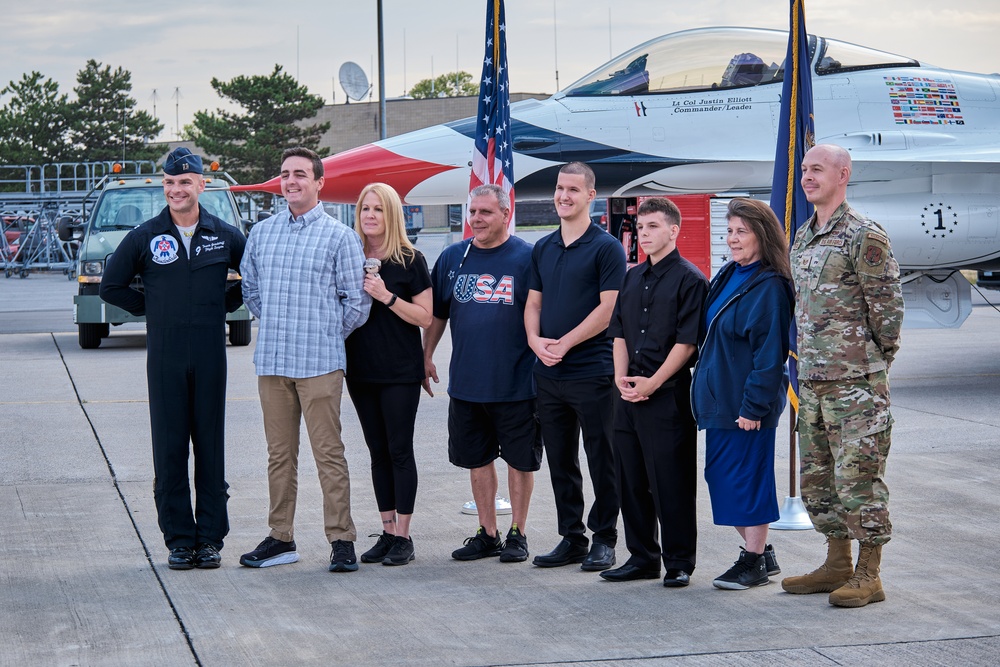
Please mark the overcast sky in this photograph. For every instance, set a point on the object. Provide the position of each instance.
(181, 45)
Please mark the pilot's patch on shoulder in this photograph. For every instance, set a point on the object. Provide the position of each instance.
(874, 254)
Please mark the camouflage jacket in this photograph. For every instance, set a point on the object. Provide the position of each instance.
(849, 303)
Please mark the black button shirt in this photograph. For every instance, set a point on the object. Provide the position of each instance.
(658, 306)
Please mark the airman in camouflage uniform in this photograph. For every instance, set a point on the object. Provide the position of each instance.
(849, 309)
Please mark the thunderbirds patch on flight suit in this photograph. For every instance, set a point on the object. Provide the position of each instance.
(874, 254)
(164, 249)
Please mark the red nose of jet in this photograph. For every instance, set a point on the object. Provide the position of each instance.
(349, 172)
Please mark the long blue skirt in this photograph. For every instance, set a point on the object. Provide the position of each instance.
(739, 469)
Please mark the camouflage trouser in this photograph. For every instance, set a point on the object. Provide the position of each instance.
(844, 431)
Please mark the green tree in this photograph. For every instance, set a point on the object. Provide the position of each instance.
(33, 123)
(104, 121)
(453, 84)
(250, 144)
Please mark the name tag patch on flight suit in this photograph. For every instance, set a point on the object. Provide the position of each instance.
(209, 247)
(164, 249)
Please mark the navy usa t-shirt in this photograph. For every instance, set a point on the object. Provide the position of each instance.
(483, 293)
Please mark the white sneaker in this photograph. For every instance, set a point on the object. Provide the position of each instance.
(502, 505)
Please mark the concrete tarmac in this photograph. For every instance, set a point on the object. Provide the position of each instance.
(83, 576)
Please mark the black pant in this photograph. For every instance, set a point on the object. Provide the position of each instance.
(186, 374)
(564, 408)
(387, 413)
(656, 442)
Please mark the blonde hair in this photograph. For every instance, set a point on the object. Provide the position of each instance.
(395, 245)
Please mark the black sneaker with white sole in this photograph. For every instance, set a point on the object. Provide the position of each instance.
(748, 571)
(270, 552)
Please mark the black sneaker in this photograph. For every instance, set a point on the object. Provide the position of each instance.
(181, 558)
(401, 552)
(515, 548)
(746, 572)
(270, 552)
(478, 546)
(771, 561)
(342, 556)
(207, 557)
(377, 553)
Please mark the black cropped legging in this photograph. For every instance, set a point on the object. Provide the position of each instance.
(387, 413)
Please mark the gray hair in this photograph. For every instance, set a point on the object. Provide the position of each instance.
(503, 199)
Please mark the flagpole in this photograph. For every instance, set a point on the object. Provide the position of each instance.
(795, 136)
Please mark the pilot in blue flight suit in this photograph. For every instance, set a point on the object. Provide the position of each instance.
(183, 256)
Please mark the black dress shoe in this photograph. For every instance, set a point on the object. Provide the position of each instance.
(601, 557)
(676, 578)
(181, 558)
(629, 572)
(207, 557)
(565, 553)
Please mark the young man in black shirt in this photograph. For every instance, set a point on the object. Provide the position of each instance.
(575, 276)
(655, 327)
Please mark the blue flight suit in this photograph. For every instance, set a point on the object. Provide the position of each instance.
(185, 301)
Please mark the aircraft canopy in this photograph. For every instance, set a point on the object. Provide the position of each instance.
(720, 58)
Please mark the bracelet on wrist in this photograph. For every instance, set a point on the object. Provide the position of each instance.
(391, 301)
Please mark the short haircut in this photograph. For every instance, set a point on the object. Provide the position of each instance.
(661, 205)
(503, 199)
(764, 224)
(579, 168)
(302, 151)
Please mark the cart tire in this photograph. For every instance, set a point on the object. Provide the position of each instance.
(24, 273)
(239, 332)
(91, 335)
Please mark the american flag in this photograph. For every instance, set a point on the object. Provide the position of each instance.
(493, 157)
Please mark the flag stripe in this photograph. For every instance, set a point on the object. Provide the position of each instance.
(493, 154)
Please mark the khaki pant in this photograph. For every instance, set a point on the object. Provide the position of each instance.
(284, 401)
(845, 432)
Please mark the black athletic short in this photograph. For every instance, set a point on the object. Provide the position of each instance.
(479, 433)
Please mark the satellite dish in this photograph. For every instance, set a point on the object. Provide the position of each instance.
(353, 81)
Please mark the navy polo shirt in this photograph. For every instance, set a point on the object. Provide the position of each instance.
(571, 279)
(659, 305)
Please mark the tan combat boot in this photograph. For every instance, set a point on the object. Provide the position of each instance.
(865, 586)
(829, 576)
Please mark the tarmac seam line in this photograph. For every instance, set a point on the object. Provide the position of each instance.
(818, 650)
(128, 510)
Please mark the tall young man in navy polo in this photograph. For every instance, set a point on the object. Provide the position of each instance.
(576, 273)
(183, 257)
(655, 328)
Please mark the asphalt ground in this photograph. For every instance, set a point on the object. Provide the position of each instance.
(83, 576)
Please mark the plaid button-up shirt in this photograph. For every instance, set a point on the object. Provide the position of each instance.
(303, 278)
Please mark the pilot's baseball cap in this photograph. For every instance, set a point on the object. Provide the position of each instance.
(182, 161)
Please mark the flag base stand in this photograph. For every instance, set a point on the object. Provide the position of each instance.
(793, 516)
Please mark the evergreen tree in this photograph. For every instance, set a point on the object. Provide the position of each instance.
(105, 123)
(33, 123)
(250, 144)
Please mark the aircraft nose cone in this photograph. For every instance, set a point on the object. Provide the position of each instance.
(348, 172)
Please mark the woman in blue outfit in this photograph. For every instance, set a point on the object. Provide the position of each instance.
(385, 364)
(739, 384)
